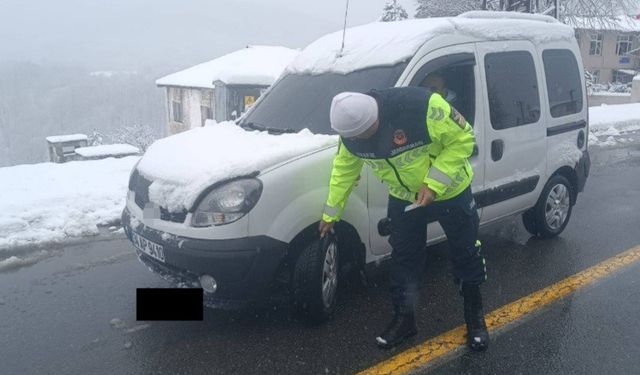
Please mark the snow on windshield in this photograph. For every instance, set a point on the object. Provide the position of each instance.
(183, 165)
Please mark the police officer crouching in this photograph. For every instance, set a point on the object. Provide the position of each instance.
(419, 145)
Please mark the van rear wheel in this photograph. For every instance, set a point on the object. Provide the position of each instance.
(315, 279)
(551, 214)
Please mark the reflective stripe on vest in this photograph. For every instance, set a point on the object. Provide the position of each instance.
(440, 176)
(331, 211)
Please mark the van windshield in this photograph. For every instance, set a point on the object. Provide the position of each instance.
(299, 101)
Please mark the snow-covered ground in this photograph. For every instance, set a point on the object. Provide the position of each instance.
(613, 124)
(48, 202)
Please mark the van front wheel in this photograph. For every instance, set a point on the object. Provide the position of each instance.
(315, 279)
(551, 214)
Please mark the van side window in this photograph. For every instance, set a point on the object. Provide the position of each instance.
(563, 82)
(513, 89)
(452, 77)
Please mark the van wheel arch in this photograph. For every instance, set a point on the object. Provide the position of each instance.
(570, 174)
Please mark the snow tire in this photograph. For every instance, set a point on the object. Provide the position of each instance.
(551, 214)
(317, 266)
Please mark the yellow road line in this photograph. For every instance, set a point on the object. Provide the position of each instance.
(421, 355)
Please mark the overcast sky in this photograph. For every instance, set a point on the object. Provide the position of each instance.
(132, 34)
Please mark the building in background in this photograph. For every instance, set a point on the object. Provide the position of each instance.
(222, 89)
(610, 50)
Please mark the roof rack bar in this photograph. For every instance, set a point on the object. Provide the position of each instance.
(484, 14)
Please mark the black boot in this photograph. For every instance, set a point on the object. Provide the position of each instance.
(401, 328)
(477, 334)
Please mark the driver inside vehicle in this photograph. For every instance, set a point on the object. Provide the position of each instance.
(436, 82)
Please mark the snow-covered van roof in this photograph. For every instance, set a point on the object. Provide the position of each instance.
(388, 43)
(623, 24)
(253, 65)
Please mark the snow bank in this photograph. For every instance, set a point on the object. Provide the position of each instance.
(50, 202)
(253, 65)
(608, 93)
(607, 122)
(107, 150)
(621, 116)
(387, 43)
(183, 165)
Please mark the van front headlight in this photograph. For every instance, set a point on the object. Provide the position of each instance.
(227, 203)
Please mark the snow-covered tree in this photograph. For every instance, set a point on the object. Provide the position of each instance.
(600, 12)
(393, 11)
(597, 13)
(141, 136)
(445, 8)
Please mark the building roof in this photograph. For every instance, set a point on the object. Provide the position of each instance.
(388, 43)
(622, 23)
(66, 138)
(253, 65)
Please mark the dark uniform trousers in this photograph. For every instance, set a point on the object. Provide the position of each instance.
(458, 217)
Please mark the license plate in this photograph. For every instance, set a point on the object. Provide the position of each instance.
(150, 248)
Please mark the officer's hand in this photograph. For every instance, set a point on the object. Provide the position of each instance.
(425, 196)
(325, 227)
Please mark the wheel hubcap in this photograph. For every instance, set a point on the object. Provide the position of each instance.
(557, 206)
(330, 275)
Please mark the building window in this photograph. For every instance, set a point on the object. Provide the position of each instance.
(513, 89)
(563, 82)
(595, 48)
(206, 103)
(176, 104)
(624, 44)
(176, 110)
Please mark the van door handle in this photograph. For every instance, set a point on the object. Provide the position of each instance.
(497, 148)
(475, 151)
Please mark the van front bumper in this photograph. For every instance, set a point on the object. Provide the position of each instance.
(244, 268)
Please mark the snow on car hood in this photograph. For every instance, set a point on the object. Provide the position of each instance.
(183, 165)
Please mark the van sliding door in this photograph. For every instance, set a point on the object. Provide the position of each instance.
(515, 140)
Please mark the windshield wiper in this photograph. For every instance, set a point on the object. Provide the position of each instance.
(270, 130)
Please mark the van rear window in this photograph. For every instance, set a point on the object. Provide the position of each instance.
(513, 89)
(563, 82)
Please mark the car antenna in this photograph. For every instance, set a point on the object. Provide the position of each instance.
(344, 29)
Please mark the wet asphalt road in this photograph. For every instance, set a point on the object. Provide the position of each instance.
(74, 312)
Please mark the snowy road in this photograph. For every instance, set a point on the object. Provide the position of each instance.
(74, 311)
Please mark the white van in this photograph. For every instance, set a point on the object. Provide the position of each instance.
(251, 229)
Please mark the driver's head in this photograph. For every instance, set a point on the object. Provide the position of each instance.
(435, 82)
(354, 115)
